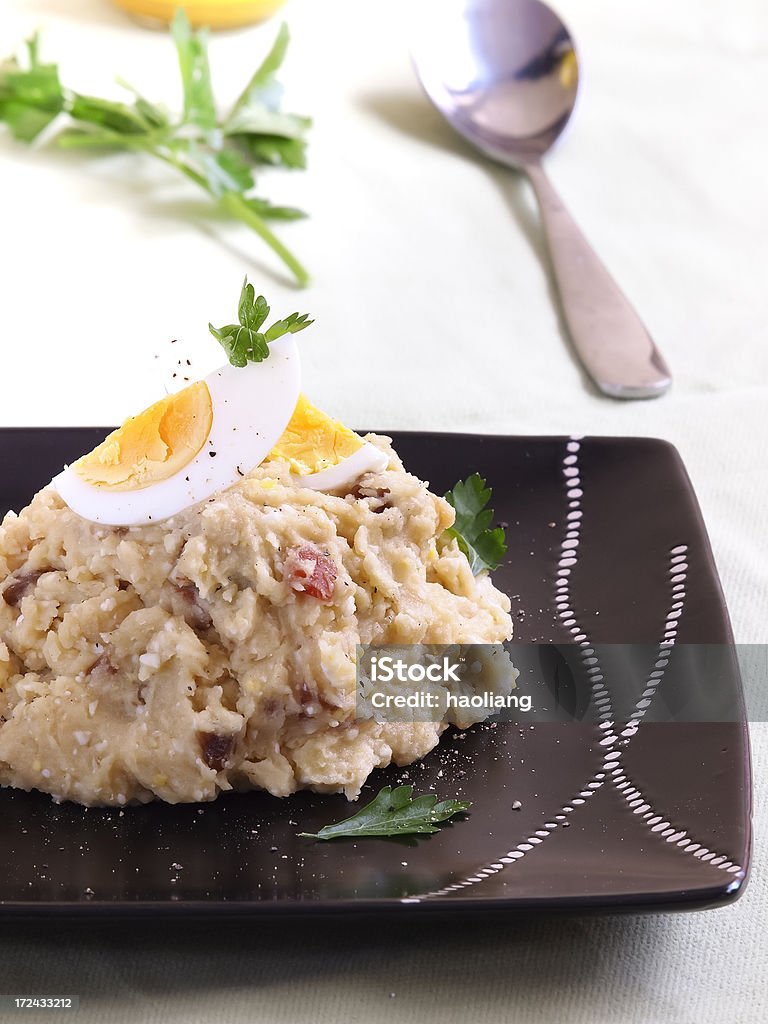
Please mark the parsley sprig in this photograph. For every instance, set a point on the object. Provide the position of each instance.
(244, 342)
(485, 548)
(217, 152)
(394, 812)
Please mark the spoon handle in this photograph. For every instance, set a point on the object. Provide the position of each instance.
(607, 334)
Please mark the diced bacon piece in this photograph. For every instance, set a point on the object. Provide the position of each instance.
(191, 604)
(216, 750)
(21, 585)
(310, 571)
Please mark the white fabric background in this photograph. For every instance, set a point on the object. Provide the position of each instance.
(434, 310)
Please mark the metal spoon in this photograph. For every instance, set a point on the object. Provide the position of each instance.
(504, 74)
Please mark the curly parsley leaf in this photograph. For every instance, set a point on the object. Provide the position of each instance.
(154, 115)
(226, 171)
(258, 126)
(275, 150)
(30, 97)
(290, 325)
(264, 90)
(394, 812)
(114, 116)
(245, 342)
(218, 153)
(192, 51)
(484, 547)
(33, 50)
(269, 211)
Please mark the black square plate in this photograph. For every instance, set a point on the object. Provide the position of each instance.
(606, 545)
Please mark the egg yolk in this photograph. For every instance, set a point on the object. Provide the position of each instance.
(153, 445)
(313, 441)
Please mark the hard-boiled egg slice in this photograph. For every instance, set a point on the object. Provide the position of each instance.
(189, 445)
(323, 453)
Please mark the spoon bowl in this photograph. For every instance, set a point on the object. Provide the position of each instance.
(505, 75)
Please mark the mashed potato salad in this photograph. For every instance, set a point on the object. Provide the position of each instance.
(180, 610)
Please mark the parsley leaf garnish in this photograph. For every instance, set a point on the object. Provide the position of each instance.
(484, 547)
(394, 812)
(245, 342)
(30, 97)
(218, 152)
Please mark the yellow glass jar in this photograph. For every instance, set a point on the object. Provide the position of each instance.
(213, 13)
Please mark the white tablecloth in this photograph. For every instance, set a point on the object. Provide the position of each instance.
(434, 310)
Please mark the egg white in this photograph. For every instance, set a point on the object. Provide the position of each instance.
(252, 406)
(368, 459)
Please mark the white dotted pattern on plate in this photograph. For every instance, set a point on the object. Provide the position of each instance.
(611, 770)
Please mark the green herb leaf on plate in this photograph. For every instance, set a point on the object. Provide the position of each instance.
(484, 547)
(394, 812)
